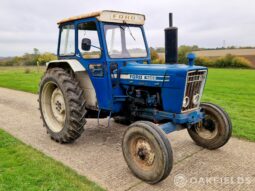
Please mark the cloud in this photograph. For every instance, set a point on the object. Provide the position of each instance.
(28, 24)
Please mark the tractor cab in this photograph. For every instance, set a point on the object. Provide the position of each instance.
(104, 42)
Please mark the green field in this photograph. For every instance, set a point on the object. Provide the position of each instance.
(233, 89)
(24, 168)
(20, 78)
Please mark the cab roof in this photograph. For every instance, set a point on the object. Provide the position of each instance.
(110, 16)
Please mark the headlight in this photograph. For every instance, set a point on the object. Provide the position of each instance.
(185, 102)
(195, 99)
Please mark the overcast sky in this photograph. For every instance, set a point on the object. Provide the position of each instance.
(28, 24)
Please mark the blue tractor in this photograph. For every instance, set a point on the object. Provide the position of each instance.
(104, 69)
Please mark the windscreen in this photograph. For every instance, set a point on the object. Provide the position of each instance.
(125, 41)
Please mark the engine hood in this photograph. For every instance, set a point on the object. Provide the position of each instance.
(154, 74)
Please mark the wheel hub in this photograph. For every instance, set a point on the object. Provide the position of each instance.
(144, 152)
(208, 129)
(58, 105)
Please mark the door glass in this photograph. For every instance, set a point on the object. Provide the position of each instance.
(89, 30)
(67, 41)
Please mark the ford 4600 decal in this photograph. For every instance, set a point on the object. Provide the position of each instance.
(144, 77)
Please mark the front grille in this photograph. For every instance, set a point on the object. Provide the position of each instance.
(194, 87)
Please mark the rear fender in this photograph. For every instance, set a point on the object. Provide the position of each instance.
(73, 64)
(82, 76)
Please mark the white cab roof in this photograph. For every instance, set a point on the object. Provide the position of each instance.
(110, 16)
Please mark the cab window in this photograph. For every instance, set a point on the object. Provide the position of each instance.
(89, 32)
(67, 47)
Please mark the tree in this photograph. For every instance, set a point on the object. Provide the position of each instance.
(46, 57)
(154, 54)
(36, 51)
(183, 51)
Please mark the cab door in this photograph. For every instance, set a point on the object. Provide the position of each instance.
(91, 55)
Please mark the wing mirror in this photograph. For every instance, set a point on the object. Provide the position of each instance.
(86, 44)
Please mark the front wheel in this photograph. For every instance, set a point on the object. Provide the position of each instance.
(147, 152)
(215, 130)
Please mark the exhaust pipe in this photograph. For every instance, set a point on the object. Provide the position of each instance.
(171, 42)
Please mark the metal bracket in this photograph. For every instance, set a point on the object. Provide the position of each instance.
(168, 127)
(109, 119)
(98, 116)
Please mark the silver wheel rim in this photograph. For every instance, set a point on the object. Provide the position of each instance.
(53, 107)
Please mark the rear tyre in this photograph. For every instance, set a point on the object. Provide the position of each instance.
(62, 105)
(215, 130)
(147, 152)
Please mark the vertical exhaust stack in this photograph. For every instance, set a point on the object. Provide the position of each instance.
(171, 42)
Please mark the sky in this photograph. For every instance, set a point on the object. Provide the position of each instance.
(29, 24)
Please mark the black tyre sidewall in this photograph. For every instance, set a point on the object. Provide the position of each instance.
(60, 134)
(149, 130)
(224, 131)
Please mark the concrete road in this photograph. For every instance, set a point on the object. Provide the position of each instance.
(97, 154)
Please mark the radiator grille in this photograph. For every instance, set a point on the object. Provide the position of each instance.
(194, 87)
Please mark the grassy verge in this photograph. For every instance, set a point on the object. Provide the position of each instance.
(233, 89)
(24, 168)
(20, 78)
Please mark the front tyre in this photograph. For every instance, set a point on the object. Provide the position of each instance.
(147, 152)
(215, 130)
(62, 105)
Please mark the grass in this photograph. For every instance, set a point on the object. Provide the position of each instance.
(20, 78)
(223, 52)
(233, 89)
(24, 168)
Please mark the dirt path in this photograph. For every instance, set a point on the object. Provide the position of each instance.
(97, 154)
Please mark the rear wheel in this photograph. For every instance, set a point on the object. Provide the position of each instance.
(215, 130)
(147, 152)
(62, 105)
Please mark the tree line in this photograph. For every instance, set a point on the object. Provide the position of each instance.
(29, 59)
(228, 61)
(157, 57)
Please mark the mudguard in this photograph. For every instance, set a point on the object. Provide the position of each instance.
(74, 64)
(82, 76)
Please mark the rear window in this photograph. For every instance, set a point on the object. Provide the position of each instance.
(67, 42)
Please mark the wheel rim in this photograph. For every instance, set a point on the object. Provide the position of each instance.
(142, 152)
(58, 105)
(208, 129)
(53, 107)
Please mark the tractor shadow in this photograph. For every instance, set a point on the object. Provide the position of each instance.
(102, 134)
(111, 137)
